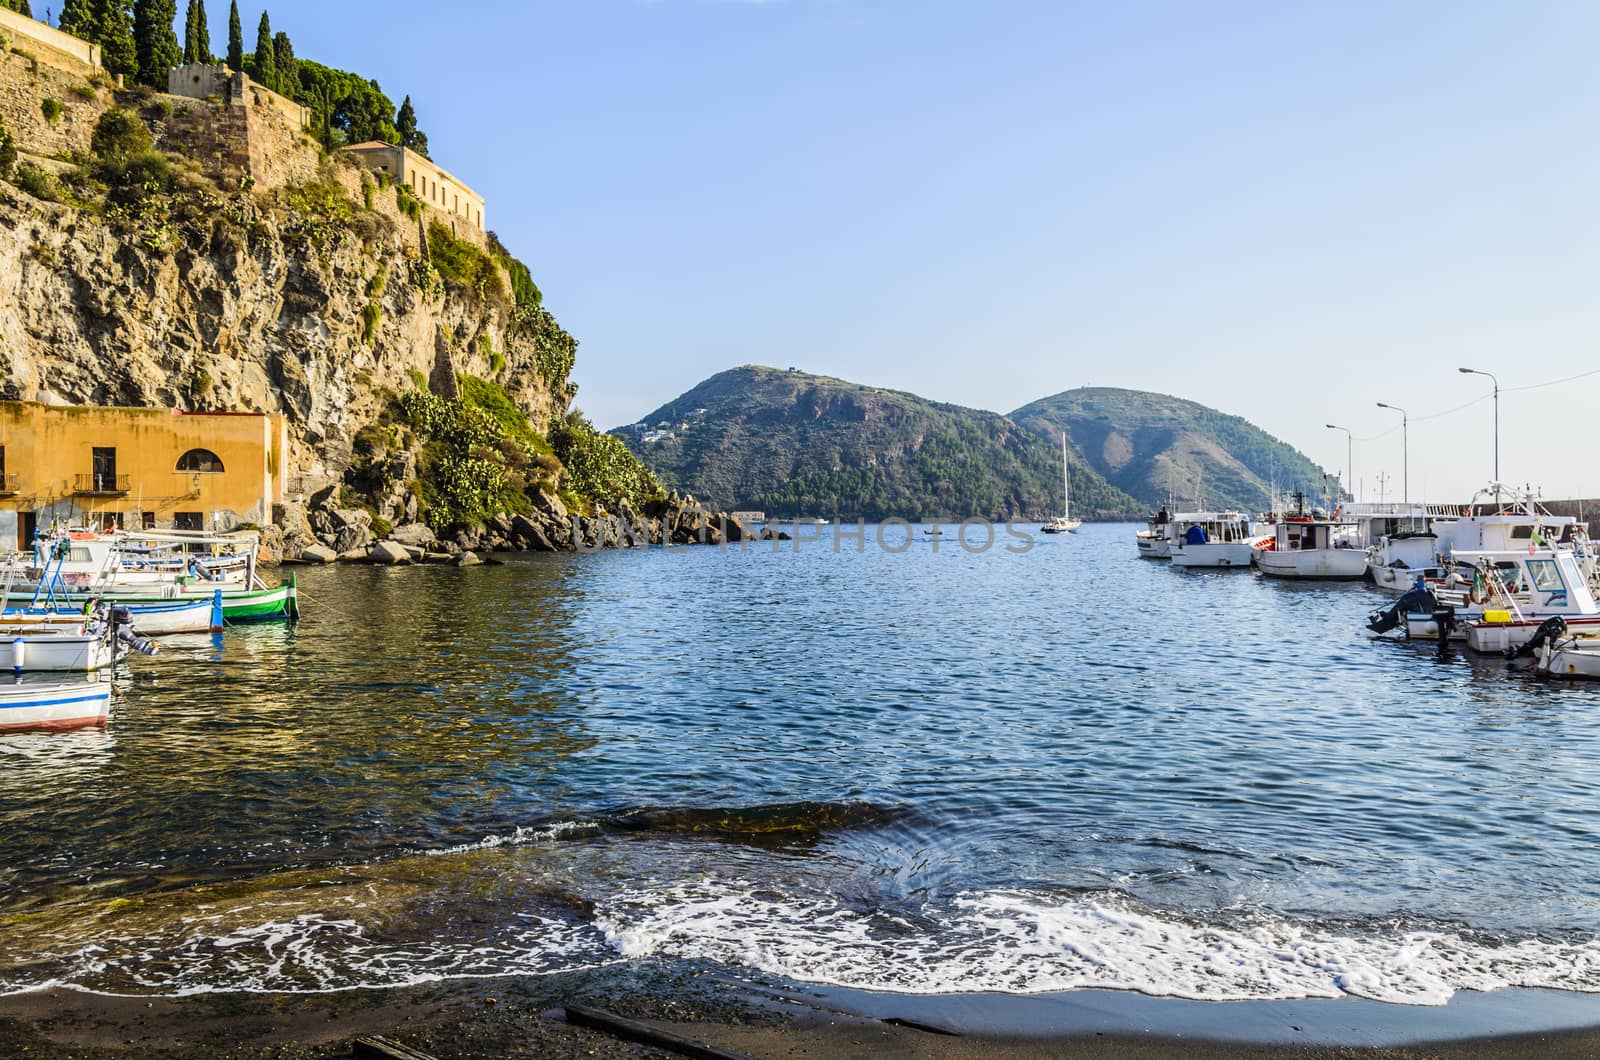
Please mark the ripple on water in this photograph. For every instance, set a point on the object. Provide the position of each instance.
(1068, 767)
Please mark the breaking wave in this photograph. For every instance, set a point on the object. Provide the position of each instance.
(1022, 943)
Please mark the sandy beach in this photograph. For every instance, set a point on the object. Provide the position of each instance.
(525, 1018)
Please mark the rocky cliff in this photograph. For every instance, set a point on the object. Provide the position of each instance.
(191, 254)
(297, 301)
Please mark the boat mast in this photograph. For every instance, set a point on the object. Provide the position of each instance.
(1066, 481)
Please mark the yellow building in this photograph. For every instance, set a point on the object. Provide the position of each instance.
(427, 180)
(136, 468)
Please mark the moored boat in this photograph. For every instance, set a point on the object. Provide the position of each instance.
(1152, 541)
(1063, 523)
(1212, 539)
(1311, 545)
(1496, 599)
(72, 705)
(1569, 656)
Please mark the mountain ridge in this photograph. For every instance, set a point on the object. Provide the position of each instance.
(793, 444)
(1153, 445)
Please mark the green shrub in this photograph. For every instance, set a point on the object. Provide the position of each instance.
(407, 203)
(369, 193)
(490, 398)
(496, 359)
(120, 134)
(463, 265)
(147, 172)
(322, 200)
(163, 108)
(381, 527)
(599, 466)
(524, 291)
(8, 153)
(371, 317)
(36, 182)
(52, 109)
(84, 92)
(379, 281)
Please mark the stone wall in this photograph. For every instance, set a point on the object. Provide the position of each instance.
(25, 83)
(212, 82)
(49, 45)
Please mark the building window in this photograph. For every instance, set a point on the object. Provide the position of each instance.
(200, 461)
(147, 520)
(105, 468)
(188, 521)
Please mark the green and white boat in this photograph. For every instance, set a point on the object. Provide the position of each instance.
(76, 567)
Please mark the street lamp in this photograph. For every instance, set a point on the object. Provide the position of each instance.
(1474, 371)
(1405, 450)
(1349, 457)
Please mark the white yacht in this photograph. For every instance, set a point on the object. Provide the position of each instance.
(1063, 523)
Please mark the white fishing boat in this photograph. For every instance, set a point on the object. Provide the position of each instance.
(74, 705)
(1063, 523)
(1152, 541)
(96, 640)
(1312, 545)
(1213, 539)
(1497, 600)
(1401, 543)
(1569, 656)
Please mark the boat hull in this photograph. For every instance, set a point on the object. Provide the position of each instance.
(28, 708)
(1570, 662)
(1421, 626)
(1221, 555)
(238, 605)
(1331, 564)
(41, 650)
(1397, 581)
(1154, 548)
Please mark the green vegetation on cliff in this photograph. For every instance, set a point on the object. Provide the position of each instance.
(794, 444)
(1151, 444)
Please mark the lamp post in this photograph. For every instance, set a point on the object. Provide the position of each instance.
(1405, 451)
(1349, 454)
(1496, 382)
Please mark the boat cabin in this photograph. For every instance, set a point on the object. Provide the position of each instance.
(1545, 581)
(1210, 528)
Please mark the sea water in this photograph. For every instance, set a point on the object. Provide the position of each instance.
(920, 769)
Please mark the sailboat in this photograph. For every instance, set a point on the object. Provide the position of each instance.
(1064, 523)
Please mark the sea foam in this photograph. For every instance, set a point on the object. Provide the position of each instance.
(1023, 942)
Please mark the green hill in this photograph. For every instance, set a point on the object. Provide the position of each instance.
(1151, 444)
(793, 444)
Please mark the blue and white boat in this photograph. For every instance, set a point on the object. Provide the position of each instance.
(75, 705)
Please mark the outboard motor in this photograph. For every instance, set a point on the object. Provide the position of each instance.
(1548, 631)
(122, 618)
(1415, 600)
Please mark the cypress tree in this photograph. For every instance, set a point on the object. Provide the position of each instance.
(77, 18)
(406, 123)
(156, 43)
(191, 43)
(265, 68)
(284, 61)
(113, 31)
(235, 39)
(202, 34)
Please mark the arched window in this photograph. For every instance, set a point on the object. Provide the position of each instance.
(200, 461)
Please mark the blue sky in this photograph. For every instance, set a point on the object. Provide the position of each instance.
(1286, 211)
